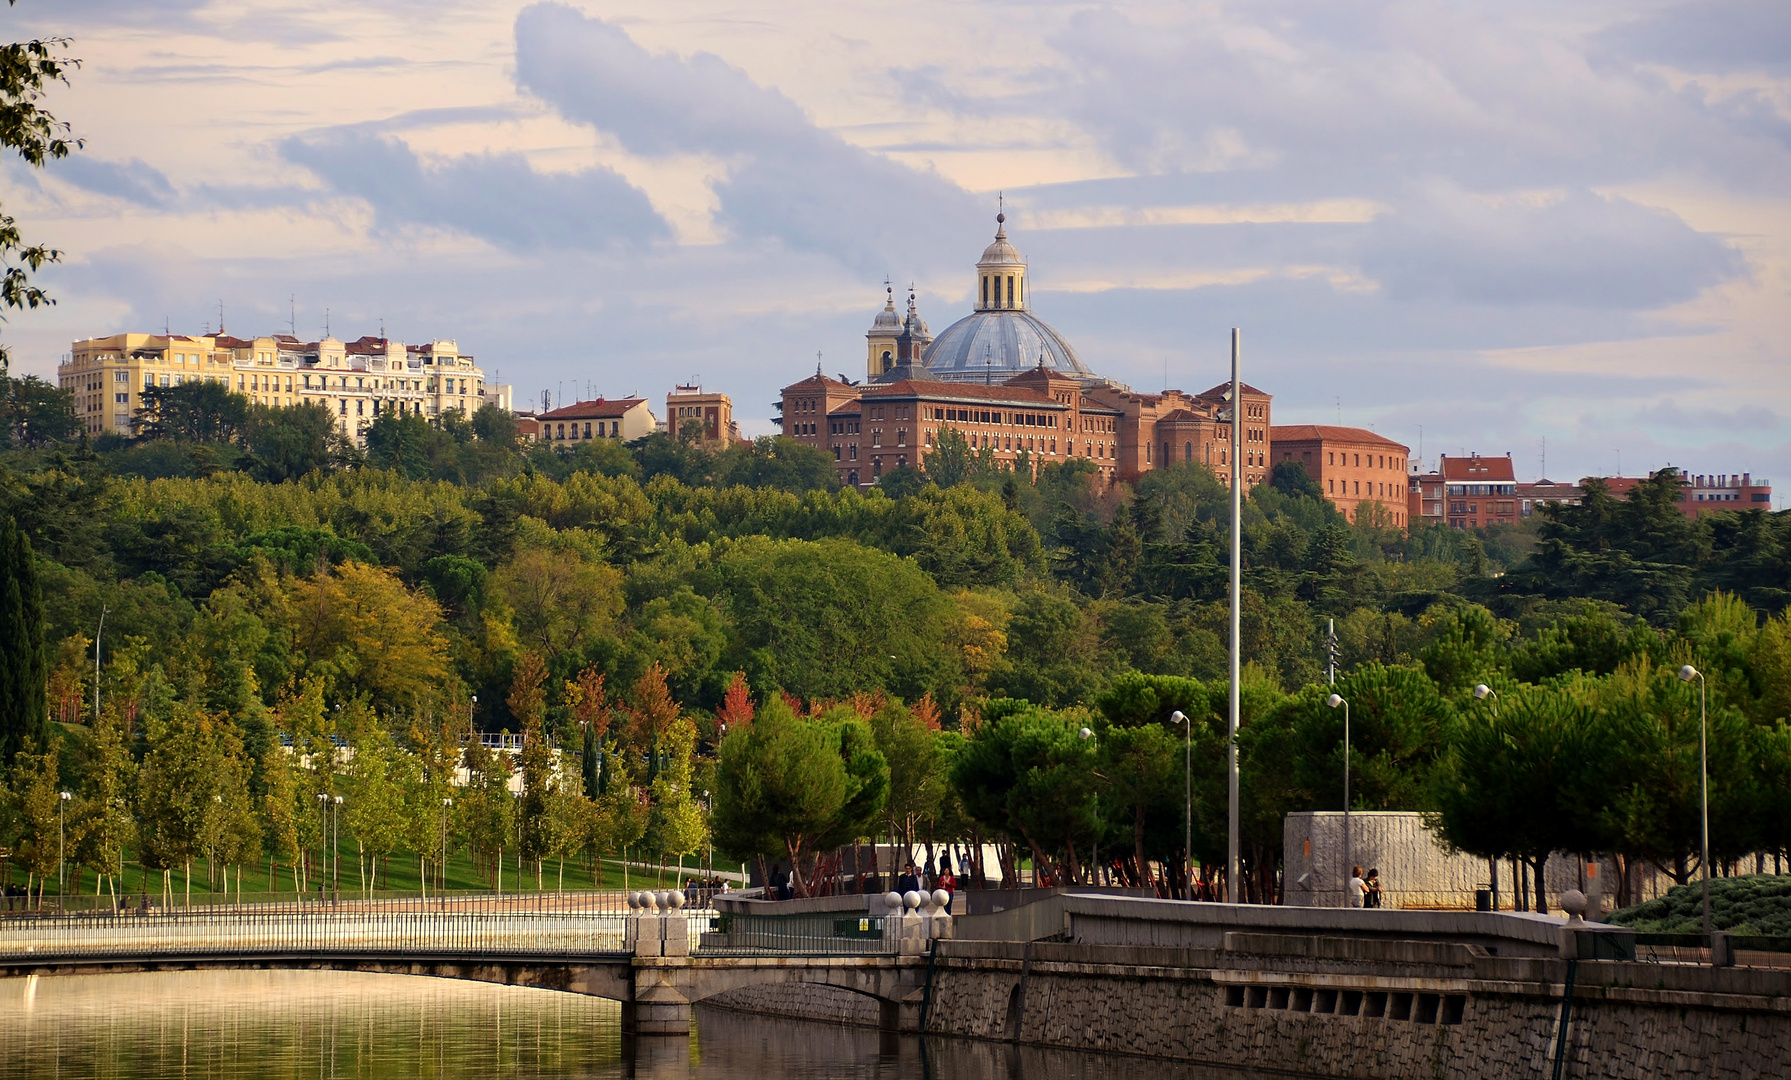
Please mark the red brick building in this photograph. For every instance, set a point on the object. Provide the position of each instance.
(1466, 492)
(1357, 469)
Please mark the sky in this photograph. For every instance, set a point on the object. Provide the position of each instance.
(1559, 230)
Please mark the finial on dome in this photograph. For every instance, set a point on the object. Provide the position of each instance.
(1000, 213)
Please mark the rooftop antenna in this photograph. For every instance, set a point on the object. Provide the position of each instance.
(1545, 456)
(167, 327)
(220, 315)
(382, 332)
(326, 322)
(1339, 401)
(292, 313)
(817, 361)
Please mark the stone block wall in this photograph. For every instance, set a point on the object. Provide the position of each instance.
(802, 1001)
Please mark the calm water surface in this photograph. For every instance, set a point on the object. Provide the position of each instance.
(251, 1025)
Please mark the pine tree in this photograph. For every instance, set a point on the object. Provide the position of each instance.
(24, 666)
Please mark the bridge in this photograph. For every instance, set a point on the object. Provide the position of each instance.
(656, 958)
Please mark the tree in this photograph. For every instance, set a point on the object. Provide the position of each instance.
(378, 777)
(1291, 478)
(361, 631)
(401, 442)
(27, 68)
(675, 826)
(780, 785)
(36, 790)
(193, 412)
(560, 596)
(105, 823)
(24, 664)
(35, 414)
(288, 443)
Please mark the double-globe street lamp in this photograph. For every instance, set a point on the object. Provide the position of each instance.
(1333, 701)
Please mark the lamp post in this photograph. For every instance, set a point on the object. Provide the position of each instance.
(1094, 853)
(62, 798)
(1481, 693)
(1233, 890)
(1687, 674)
(1179, 717)
(323, 842)
(1333, 701)
(446, 803)
(336, 846)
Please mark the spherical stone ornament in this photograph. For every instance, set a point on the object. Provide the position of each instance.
(1573, 902)
(912, 899)
(892, 901)
(941, 898)
(664, 899)
(648, 901)
(677, 898)
(634, 899)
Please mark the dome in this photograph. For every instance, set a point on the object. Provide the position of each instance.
(888, 318)
(998, 344)
(1002, 252)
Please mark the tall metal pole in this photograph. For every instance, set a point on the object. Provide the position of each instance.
(1233, 885)
(1704, 798)
(97, 635)
(1179, 717)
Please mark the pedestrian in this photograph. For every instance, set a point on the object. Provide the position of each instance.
(909, 881)
(948, 881)
(1356, 891)
(1371, 888)
(774, 889)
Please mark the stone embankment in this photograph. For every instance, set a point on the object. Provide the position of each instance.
(1337, 993)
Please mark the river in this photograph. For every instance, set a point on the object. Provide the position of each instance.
(318, 1025)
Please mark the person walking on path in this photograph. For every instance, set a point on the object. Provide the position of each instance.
(1357, 889)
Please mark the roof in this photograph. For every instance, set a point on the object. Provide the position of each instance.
(998, 344)
(819, 381)
(366, 343)
(1002, 252)
(963, 391)
(1478, 468)
(1218, 393)
(1279, 433)
(599, 409)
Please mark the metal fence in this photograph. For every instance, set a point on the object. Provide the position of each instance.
(598, 901)
(813, 934)
(398, 928)
(1742, 950)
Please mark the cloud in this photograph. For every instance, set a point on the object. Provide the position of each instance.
(1710, 36)
(787, 179)
(134, 181)
(495, 197)
(1577, 250)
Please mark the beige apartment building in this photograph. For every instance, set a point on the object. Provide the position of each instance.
(355, 380)
(710, 416)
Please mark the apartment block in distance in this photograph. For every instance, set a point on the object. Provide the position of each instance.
(1465, 492)
(1707, 493)
(712, 414)
(355, 380)
(623, 419)
(1356, 467)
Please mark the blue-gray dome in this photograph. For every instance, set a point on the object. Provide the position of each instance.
(999, 344)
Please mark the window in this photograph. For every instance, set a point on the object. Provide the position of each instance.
(121, 376)
(121, 399)
(1010, 290)
(852, 452)
(901, 436)
(985, 290)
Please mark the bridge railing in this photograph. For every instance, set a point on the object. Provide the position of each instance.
(372, 930)
(815, 934)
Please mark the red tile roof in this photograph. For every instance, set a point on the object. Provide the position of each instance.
(598, 409)
(1478, 468)
(1279, 433)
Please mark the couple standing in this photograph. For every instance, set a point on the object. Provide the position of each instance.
(1364, 892)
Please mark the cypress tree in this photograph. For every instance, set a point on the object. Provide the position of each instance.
(24, 666)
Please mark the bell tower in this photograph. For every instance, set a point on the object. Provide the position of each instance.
(881, 339)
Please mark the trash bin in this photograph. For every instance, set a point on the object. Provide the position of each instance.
(1482, 899)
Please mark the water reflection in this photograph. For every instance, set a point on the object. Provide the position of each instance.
(251, 1025)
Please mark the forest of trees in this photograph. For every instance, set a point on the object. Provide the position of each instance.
(720, 645)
